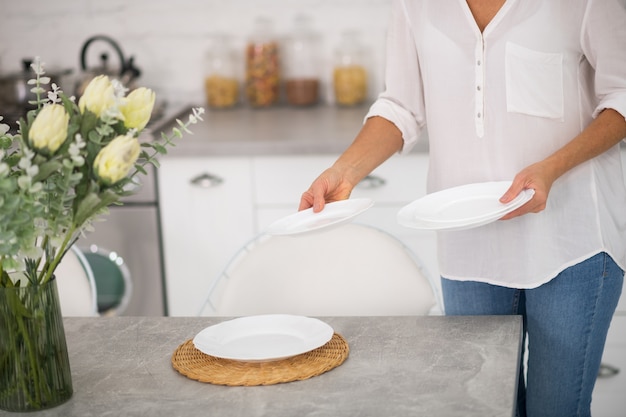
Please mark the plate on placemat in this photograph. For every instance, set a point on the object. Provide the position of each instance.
(263, 338)
(198, 366)
(462, 207)
(334, 214)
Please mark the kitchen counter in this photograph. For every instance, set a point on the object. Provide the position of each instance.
(397, 366)
(274, 131)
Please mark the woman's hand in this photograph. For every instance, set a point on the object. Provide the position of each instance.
(375, 143)
(328, 187)
(538, 177)
(605, 131)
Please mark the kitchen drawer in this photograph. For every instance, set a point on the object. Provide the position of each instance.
(282, 180)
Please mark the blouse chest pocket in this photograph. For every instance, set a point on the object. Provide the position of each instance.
(534, 82)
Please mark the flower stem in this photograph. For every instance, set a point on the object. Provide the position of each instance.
(31, 358)
(59, 255)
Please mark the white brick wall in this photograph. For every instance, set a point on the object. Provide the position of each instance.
(170, 39)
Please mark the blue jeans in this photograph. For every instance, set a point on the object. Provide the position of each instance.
(566, 321)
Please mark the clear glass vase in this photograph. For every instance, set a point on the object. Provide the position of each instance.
(34, 364)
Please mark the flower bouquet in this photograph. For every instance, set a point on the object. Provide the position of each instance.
(65, 166)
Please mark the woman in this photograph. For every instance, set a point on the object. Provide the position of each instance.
(529, 91)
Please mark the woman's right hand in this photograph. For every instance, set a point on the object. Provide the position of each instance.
(375, 143)
(330, 186)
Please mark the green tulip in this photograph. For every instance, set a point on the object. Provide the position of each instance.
(49, 129)
(116, 159)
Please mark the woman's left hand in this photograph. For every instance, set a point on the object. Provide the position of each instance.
(604, 132)
(538, 177)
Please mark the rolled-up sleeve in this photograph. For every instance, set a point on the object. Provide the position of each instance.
(603, 40)
(402, 101)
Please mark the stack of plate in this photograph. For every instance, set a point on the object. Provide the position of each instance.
(462, 207)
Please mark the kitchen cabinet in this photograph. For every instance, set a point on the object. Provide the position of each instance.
(207, 214)
(213, 206)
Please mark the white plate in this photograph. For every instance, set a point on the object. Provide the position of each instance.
(263, 338)
(462, 207)
(334, 214)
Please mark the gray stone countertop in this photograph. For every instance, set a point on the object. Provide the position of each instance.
(397, 366)
(283, 130)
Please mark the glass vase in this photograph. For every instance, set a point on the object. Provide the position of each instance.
(34, 364)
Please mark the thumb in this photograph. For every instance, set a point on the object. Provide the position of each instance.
(310, 199)
(318, 203)
(512, 192)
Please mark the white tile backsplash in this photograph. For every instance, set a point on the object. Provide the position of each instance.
(169, 39)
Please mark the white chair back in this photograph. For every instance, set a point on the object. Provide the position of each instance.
(76, 285)
(346, 271)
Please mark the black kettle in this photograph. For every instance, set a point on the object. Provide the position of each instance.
(16, 96)
(127, 72)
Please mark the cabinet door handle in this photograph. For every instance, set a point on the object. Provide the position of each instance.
(371, 182)
(206, 180)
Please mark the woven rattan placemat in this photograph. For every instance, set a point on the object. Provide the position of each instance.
(199, 366)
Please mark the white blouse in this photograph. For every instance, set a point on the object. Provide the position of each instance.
(498, 101)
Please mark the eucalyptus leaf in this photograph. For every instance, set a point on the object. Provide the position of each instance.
(88, 123)
(92, 204)
(46, 169)
(86, 208)
(5, 142)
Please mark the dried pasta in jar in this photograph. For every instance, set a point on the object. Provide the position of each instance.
(221, 92)
(350, 84)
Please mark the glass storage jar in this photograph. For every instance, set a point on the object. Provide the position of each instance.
(350, 73)
(262, 66)
(220, 83)
(301, 64)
